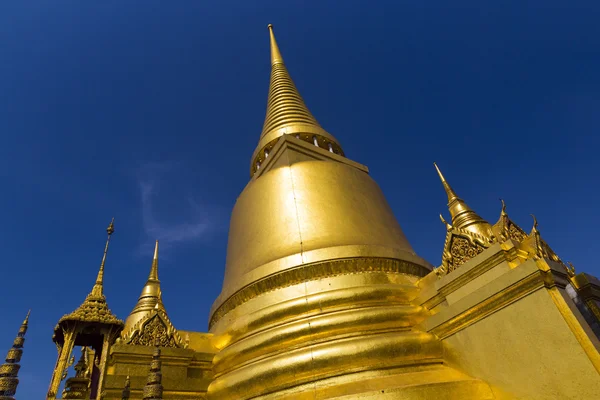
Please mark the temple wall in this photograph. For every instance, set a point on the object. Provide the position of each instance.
(513, 325)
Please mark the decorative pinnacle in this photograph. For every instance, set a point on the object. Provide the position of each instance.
(535, 223)
(154, 269)
(275, 53)
(449, 191)
(97, 290)
(26, 320)
(503, 207)
(463, 216)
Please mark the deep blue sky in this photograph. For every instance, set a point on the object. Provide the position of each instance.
(149, 112)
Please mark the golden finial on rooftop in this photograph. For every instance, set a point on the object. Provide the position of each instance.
(149, 304)
(94, 308)
(26, 320)
(154, 268)
(98, 287)
(449, 191)
(287, 114)
(503, 212)
(535, 223)
(463, 216)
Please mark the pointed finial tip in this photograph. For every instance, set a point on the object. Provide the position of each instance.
(439, 172)
(535, 222)
(111, 227)
(27, 317)
(503, 206)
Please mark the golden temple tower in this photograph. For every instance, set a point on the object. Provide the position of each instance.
(320, 280)
(187, 356)
(324, 298)
(91, 325)
(10, 369)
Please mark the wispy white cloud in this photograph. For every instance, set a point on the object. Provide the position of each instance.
(194, 220)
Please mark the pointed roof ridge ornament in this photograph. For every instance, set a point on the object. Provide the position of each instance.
(534, 229)
(287, 114)
(463, 217)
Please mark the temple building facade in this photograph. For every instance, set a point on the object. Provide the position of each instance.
(324, 298)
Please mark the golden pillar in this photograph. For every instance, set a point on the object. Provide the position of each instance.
(92, 325)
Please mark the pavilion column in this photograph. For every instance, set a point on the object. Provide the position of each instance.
(62, 363)
(107, 340)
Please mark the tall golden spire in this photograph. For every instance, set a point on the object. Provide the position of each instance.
(154, 389)
(94, 308)
(149, 298)
(10, 369)
(463, 216)
(285, 106)
(149, 304)
(287, 114)
(97, 290)
(154, 269)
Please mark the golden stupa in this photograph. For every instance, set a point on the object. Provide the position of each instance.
(324, 298)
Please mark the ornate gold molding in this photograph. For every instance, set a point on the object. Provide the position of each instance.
(313, 271)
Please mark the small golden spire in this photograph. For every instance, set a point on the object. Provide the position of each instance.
(285, 106)
(154, 269)
(150, 300)
(98, 287)
(154, 389)
(463, 216)
(10, 369)
(449, 191)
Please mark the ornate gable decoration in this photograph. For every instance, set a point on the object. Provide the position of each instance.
(154, 330)
(506, 229)
(461, 245)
